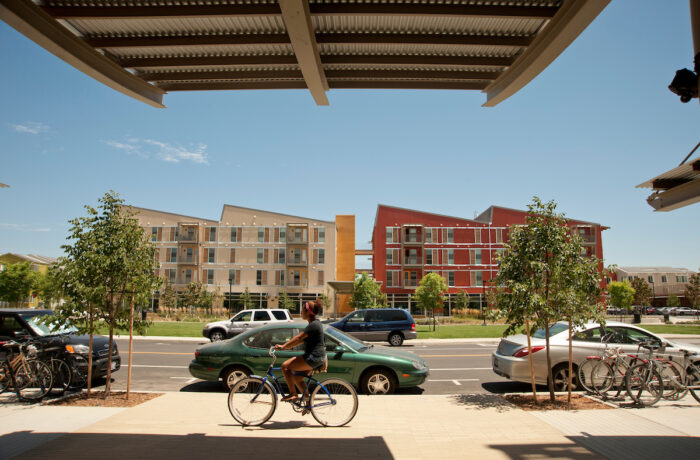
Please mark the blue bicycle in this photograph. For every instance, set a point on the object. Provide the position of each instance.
(253, 400)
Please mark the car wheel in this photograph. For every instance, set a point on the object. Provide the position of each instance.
(216, 335)
(233, 375)
(560, 375)
(395, 339)
(378, 382)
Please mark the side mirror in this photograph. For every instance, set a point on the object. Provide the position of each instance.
(340, 349)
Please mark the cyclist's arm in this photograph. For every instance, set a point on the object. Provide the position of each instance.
(293, 342)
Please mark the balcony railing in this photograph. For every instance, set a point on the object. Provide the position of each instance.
(297, 261)
(412, 260)
(187, 238)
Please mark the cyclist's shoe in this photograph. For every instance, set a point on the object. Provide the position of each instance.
(290, 398)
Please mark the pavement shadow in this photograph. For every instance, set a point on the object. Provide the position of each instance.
(508, 386)
(641, 447)
(530, 451)
(482, 401)
(204, 386)
(197, 445)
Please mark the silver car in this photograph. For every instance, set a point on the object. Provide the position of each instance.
(511, 358)
(244, 320)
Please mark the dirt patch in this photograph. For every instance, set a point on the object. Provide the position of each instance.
(578, 402)
(115, 399)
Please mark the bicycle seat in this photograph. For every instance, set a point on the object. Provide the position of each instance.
(688, 352)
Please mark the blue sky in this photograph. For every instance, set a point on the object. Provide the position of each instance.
(594, 124)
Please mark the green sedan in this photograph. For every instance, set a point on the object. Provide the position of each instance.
(373, 370)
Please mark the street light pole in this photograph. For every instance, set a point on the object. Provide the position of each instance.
(483, 298)
(230, 283)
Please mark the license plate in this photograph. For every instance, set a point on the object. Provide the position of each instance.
(495, 363)
(114, 365)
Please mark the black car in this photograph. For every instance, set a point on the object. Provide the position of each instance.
(18, 323)
(391, 324)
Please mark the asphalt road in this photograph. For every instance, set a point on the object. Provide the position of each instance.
(454, 368)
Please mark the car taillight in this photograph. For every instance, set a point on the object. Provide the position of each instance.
(196, 354)
(413, 327)
(523, 351)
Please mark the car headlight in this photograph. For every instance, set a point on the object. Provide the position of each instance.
(80, 349)
(418, 365)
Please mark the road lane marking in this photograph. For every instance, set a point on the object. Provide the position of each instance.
(463, 369)
(448, 356)
(456, 382)
(452, 380)
(166, 367)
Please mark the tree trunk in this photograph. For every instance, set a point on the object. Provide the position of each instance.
(532, 366)
(89, 369)
(550, 377)
(111, 341)
(131, 346)
(571, 366)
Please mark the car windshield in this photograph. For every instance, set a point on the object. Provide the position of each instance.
(554, 329)
(38, 326)
(345, 339)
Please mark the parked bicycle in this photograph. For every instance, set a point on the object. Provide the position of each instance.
(685, 376)
(253, 400)
(67, 367)
(30, 378)
(600, 374)
(644, 382)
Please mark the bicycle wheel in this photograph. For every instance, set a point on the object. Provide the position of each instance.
(644, 384)
(693, 379)
(333, 402)
(61, 375)
(5, 377)
(33, 380)
(252, 401)
(585, 373)
(673, 382)
(79, 367)
(602, 378)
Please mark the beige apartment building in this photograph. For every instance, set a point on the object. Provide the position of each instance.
(663, 281)
(265, 252)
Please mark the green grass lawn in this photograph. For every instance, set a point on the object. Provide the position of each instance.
(447, 331)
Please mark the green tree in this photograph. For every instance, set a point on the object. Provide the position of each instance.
(462, 300)
(285, 301)
(543, 278)
(197, 296)
(247, 300)
(366, 293)
(430, 292)
(673, 301)
(167, 299)
(621, 294)
(642, 291)
(327, 301)
(692, 290)
(109, 266)
(16, 283)
(48, 287)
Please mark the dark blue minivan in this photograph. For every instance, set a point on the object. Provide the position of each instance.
(378, 324)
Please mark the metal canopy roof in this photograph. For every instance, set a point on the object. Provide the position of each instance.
(144, 48)
(675, 188)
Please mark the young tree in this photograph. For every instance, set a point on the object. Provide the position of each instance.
(543, 278)
(692, 290)
(429, 294)
(109, 265)
(366, 293)
(48, 287)
(672, 301)
(167, 300)
(462, 300)
(247, 299)
(327, 301)
(197, 296)
(621, 294)
(16, 283)
(642, 291)
(285, 301)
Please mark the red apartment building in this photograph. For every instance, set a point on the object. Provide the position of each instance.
(407, 244)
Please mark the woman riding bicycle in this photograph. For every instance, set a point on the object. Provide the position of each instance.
(314, 356)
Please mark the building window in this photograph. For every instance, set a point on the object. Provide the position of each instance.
(664, 279)
(171, 276)
(280, 256)
(154, 234)
(412, 234)
(234, 234)
(210, 276)
(188, 276)
(477, 235)
(322, 235)
(261, 255)
(189, 253)
(450, 257)
(298, 234)
(390, 256)
(321, 256)
(450, 235)
(259, 277)
(389, 278)
(212, 233)
(499, 235)
(681, 279)
(477, 256)
(173, 254)
(190, 233)
(450, 278)
(479, 278)
(428, 257)
(651, 279)
(283, 235)
(428, 235)
(261, 234)
(389, 235)
(210, 255)
(411, 256)
(320, 278)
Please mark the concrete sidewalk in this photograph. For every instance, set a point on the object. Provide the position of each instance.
(183, 425)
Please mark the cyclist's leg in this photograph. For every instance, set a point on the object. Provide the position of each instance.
(294, 381)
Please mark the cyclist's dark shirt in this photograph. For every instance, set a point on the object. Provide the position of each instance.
(313, 343)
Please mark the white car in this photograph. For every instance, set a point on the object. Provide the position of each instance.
(511, 358)
(244, 320)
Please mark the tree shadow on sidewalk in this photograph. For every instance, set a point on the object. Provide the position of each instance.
(482, 401)
(173, 447)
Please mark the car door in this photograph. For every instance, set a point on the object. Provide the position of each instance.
(340, 363)
(257, 349)
(260, 318)
(587, 343)
(629, 339)
(241, 321)
(355, 325)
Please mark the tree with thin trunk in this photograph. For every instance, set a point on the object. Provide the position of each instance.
(167, 300)
(109, 263)
(621, 294)
(642, 291)
(247, 299)
(543, 278)
(16, 283)
(366, 293)
(692, 290)
(430, 292)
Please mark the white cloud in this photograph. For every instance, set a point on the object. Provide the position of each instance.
(30, 127)
(166, 152)
(24, 227)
